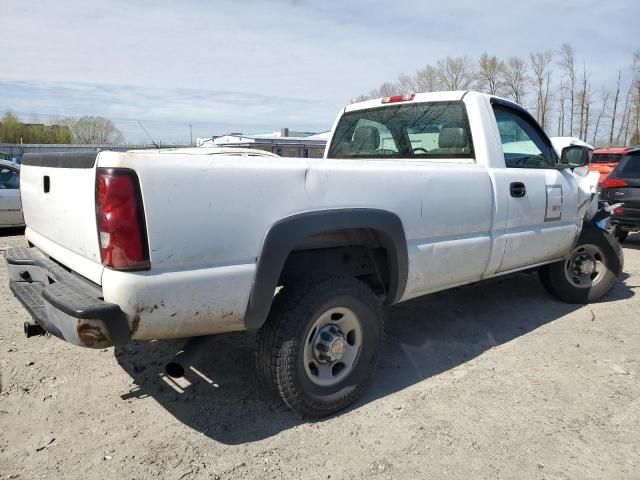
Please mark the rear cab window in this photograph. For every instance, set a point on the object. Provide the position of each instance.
(431, 130)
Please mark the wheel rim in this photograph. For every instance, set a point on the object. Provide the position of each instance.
(586, 266)
(332, 346)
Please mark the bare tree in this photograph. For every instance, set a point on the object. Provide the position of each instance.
(623, 130)
(603, 109)
(540, 62)
(561, 110)
(568, 62)
(515, 79)
(426, 79)
(547, 99)
(385, 90)
(360, 98)
(585, 103)
(455, 73)
(587, 109)
(635, 136)
(95, 130)
(405, 84)
(489, 75)
(615, 107)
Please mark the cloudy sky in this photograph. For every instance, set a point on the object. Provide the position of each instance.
(252, 66)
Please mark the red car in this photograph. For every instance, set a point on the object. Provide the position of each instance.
(604, 160)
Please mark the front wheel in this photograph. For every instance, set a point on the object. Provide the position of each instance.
(589, 272)
(320, 343)
(621, 235)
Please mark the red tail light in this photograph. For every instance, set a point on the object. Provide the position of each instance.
(618, 211)
(121, 225)
(613, 183)
(399, 98)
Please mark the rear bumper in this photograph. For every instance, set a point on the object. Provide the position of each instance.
(65, 305)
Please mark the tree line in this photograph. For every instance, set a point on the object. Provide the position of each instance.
(553, 85)
(83, 130)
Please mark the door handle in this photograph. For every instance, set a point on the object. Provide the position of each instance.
(517, 189)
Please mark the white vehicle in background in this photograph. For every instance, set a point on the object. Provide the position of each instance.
(10, 206)
(560, 143)
(415, 194)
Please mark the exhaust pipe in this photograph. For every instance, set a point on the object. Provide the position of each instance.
(191, 351)
(33, 330)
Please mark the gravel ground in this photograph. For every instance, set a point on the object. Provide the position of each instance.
(494, 380)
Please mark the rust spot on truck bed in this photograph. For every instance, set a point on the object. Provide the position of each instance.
(92, 336)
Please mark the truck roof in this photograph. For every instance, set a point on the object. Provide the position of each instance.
(417, 97)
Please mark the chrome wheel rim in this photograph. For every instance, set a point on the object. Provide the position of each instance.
(332, 346)
(586, 266)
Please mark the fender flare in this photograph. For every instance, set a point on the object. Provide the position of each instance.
(284, 235)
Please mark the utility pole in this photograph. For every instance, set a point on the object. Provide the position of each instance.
(191, 134)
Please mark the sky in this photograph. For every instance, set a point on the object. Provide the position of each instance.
(255, 66)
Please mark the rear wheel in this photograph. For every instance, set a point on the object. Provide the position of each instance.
(321, 343)
(589, 272)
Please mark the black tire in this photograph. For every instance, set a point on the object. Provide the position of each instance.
(555, 279)
(543, 276)
(282, 340)
(621, 235)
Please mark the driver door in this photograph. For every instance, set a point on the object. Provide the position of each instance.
(542, 200)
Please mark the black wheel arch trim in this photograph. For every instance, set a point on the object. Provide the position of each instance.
(284, 235)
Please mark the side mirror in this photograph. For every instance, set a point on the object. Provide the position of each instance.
(575, 156)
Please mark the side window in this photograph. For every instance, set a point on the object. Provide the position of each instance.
(522, 142)
(9, 178)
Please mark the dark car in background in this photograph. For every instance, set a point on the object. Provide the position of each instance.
(622, 185)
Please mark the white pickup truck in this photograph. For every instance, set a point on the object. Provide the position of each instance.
(415, 194)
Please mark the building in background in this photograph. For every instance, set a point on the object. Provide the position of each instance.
(285, 143)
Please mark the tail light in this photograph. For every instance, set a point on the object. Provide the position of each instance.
(120, 216)
(618, 211)
(613, 183)
(399, 98)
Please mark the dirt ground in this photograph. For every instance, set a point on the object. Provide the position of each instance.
(494, 380)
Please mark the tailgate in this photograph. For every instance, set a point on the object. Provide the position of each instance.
(58, 200)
